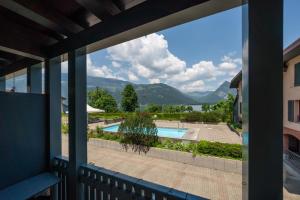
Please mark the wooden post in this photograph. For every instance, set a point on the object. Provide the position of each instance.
(77, 120)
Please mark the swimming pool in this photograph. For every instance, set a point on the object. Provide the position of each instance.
(161, 132)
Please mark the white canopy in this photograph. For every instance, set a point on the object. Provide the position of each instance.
(90, 109)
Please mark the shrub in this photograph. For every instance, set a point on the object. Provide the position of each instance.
(211, 117)
(193, 117)
(64, 128)
(139, 132)
(220, 149)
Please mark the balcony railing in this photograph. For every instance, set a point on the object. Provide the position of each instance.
(60, 166)
(103, 184)
(293, 158)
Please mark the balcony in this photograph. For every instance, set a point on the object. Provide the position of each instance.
(47, 33)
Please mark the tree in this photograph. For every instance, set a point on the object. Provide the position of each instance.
(153, 108)
(206, 107)
(138, 132)
(224, 108)
(129, 99)
(101, 99)
(189, 108)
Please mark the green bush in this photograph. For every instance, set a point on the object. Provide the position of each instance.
(193, 117)
(64, 128)
(207, 117)
(220, 149)
(233, 151)
(139, 132)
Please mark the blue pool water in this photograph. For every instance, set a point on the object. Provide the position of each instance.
(161, 132)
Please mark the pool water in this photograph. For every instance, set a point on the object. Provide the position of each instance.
(161, 132)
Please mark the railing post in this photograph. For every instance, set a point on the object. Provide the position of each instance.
(34, 78)
(2, 84)
(77, 120)
(53, 92)
(262, 99)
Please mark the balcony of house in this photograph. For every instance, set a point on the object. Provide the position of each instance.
(38, 36)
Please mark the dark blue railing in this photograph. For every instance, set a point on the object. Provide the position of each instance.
(103, 184)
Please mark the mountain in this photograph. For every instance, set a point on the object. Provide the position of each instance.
(219, 94)
(197, 95)
(147, 93)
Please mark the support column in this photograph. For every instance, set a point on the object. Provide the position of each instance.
(53, 91)
(262, 99)
(34, 79)
(2, 84)
(77, 120)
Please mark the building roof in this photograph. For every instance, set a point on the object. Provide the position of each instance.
(235, 81)
(291, 51)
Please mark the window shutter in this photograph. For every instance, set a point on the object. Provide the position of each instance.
(297, 74)
(291, 111)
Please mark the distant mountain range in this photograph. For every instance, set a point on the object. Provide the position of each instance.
(147, 93)
(154, 93)
(212, 97)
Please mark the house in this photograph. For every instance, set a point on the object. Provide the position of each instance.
(236, 82)
(291, 98)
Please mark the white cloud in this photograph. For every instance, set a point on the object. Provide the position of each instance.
(148, 60)
(64, 67)
(132, 76)
(115, 64)
(194, 86)
(98, 71)
(149, 55)
(154, 80)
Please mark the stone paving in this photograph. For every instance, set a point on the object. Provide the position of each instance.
(204, 182)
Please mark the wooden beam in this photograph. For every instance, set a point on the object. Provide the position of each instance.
(145, 18)
(42, 15)
(77, 120)
(120, 4)
(21, 40)
(103, 9)
(18, 65)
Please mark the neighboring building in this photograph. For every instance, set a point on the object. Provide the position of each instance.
(291, 98)
(236, 82)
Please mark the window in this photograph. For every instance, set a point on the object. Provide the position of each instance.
(297, 74)
(291, 111)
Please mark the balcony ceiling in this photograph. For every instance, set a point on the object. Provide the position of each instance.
(34, 30)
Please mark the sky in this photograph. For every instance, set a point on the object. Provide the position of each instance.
(196, 56)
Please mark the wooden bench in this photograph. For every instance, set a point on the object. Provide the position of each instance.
(29, 187)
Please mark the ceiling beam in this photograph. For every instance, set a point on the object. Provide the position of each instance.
(20, 40)
(40, 14)
(18, 65)
(103, 9)
(145, 18)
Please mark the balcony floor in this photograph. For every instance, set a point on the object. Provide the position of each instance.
(205, 182)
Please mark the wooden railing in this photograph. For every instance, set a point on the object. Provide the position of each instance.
(102, 184)
(60, 166)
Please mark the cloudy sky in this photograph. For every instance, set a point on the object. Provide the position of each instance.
(197, 56)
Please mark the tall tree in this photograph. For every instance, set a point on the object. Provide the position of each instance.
(101, 99)
(129, 99)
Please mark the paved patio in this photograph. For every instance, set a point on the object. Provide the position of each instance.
(205, 182)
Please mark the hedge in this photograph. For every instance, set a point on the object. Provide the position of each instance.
(211, 117)
(223, 150)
